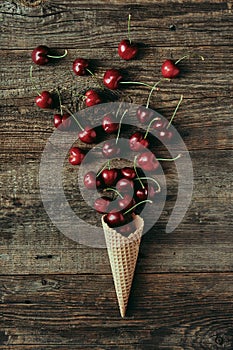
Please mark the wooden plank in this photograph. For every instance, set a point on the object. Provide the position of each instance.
(181, 311)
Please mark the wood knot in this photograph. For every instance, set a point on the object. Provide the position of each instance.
(219, 340)
(31, 3)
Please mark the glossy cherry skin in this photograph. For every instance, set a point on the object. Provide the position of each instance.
(39, 55)
(128, 173)
(112, 78)
(169, 69)
(110, 149)
(109, 176)
(147, 161)
(127, 229)
(166, 135)
(44, 100)
(109, 124)
(126, 202)
(159, 124)
(148, 192)
(88, 135)
(76, 156)
(127, 50)
(137, 142)
(114, 219)
(79, 66)
(92, 98)
(144, 114)
(101, 204)
(125, 186)
(91, 181)
(62, 122)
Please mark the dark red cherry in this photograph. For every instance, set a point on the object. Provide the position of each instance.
(148, 192)
(109, 124)
(62, 122)
(166, 135)
(91, 181)
(169, 69)
(144, 114)
(110, 149)
(88, 135)
(126, 202)
(44, 100)
(39, 55)
(112, 78)
(137, 142)
(159, 124)
(76, 156)
(79, 66)
(114, 219)
(147, 161)
(92, 98)
(128, 173)
(109, 176)
(127, 50)
(125, 186)
(101, 204)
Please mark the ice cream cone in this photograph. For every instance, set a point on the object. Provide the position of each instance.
(123, 253)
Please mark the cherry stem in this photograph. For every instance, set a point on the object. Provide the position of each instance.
(33, 81)
(175, 111)
(114, 190)
(136, 82)
(89, 71)
(119, 128)
(188, 56)
(169, 159)
(150, 94)
(152, 179)
(129, 19)
(136, 205)
(60, 101)
(62, 56)
(73, 116)
(107, 164)
(135, 169)
(118, 109)
(149, 125)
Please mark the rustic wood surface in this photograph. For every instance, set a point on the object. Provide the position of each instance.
(57, 294)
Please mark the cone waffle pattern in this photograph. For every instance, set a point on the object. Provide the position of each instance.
(123, 253)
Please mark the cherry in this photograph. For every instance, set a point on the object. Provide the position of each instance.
(125, 186)
(144, 114)
(44, 100)
(41, 56)
(147, 161)
(166, 135)
(169, 69)
(114, 219)
(112, 78)
(159, 124)
(137, 142)
(87, 135)
(62, 122)
(110, 149)
(109, 124)
(127, 50)
(109, 176)
(92, 98)
(127, 229)
(126, 202)
(79, 66)
(76, 156)
(101, 204)
(149, 191)
(91, 181)
(128, 173)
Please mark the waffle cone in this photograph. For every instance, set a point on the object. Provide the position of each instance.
(123, 253)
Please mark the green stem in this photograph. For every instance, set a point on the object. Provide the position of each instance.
(136, 82)
(89, 71)
(136, 205)
(149, 125)
(175, 111)
(119, 128)
(155, 85)
(114, 190)
(135, 169)
(169, 159)
(33, 81)
(129, 20)
(150, 178)
(62, 56)
(107, 164)
(73, 116)
(60, 101)
(188, 56)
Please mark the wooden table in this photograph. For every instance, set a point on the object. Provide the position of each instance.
(57, 294)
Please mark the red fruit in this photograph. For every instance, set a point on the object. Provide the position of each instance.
(126, 202)
(148, 192)
(109, 176)
(127, 50)
(39, 55)
(92, 98)
(114, 219)
(91, 181)
(125, 186)
(137, 142)
(159, 124)
(101, 204)
(79, 66)
(109, 124)
(169, 69)
(166, 135)
(76, 156)
(112, 78)
(147, 161)
(62, 122)
(88, 135)
(144, 114)
(44, 100)
(128, 173)
(110, 149)
(127, 229)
